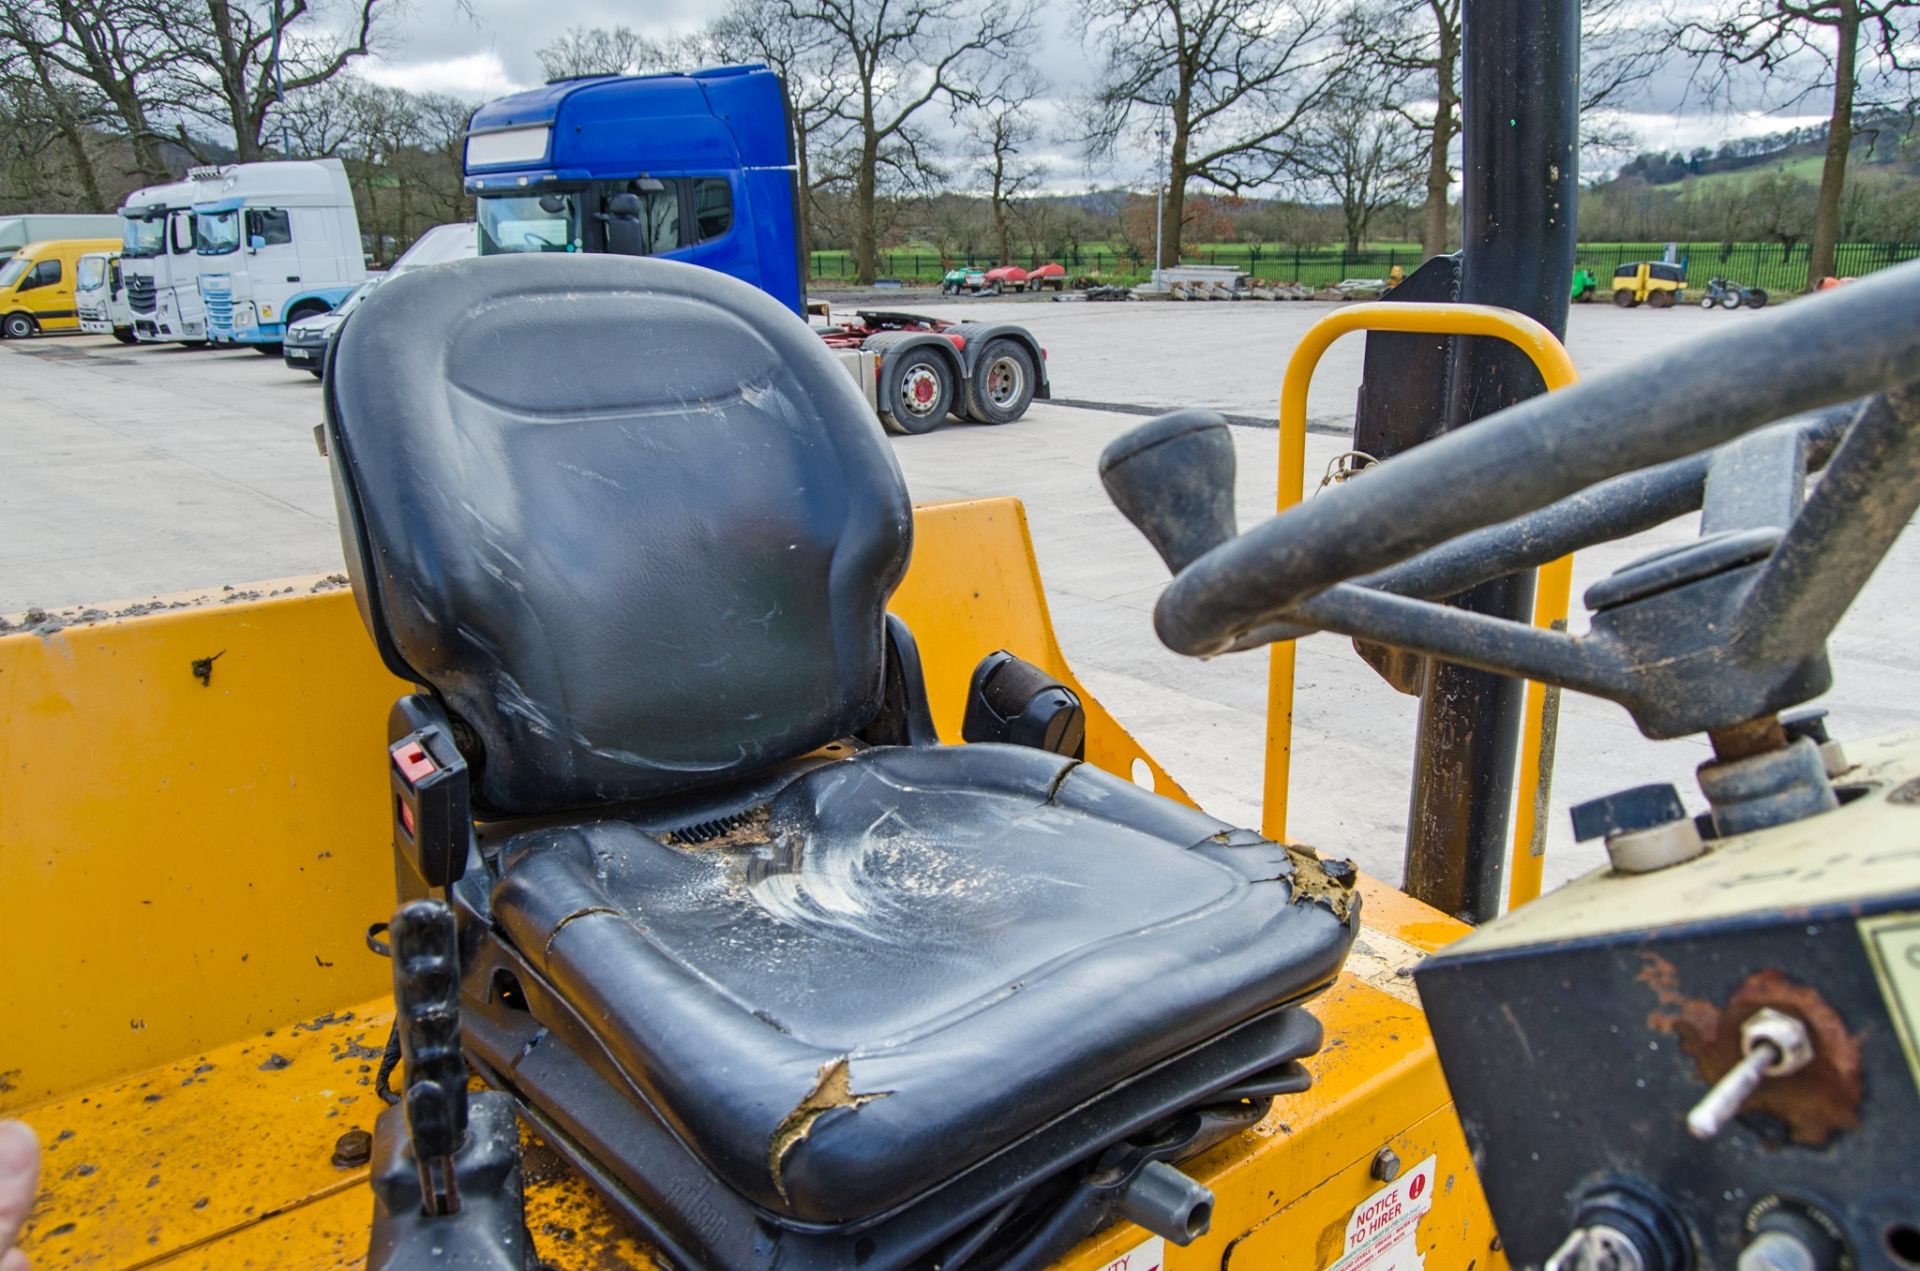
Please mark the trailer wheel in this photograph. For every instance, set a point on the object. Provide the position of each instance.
(1624, 298)
(18, 326)
(1002, 383)
(919, 394)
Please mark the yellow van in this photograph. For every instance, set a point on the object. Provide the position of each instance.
(36, 285)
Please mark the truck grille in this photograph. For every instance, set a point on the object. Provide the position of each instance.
(140, 293)
(219, 298)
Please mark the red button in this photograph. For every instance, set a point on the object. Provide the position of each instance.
(414, 762)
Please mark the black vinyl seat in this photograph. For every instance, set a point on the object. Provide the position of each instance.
(973, 940)
(633, 529)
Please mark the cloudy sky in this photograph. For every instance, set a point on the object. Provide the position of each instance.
(487, 49)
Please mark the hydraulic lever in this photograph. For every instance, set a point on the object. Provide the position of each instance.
(446, 1163)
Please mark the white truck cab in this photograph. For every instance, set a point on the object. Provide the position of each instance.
(100, 297)
(277, 242)
(159, 267)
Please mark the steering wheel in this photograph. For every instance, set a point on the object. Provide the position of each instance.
(1734, 624)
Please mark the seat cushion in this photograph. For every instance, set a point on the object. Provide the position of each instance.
(910, 958)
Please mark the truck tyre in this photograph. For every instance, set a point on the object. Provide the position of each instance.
(1660, 299)
(1624, 298)
(1002, 383)
(918, 394)
(124, 335)
(1756, 298)
(18, 326)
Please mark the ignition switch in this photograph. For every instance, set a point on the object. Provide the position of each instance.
(1789, 1236)
(1622, 1227)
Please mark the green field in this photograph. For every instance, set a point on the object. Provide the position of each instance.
(1766, 265)
(1806, 168)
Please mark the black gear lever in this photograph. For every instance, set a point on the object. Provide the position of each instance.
(1173, 478)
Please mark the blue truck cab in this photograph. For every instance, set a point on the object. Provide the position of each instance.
(696, 167)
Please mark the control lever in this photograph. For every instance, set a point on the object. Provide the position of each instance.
(426, 986)
(1173, 478)
(446, 1164)
(1774, 1044)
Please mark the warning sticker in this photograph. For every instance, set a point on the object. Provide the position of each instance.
(1893, 944)
(1384, 1232)
(1148, 1255)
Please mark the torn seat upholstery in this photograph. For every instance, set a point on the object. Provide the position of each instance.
(633, 529)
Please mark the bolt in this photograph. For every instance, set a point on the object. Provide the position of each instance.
(1386, 1165)
(353, 1149)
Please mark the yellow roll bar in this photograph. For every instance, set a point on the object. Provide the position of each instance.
(1552, 592)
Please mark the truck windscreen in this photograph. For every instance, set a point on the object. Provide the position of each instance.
(145, 237)
(216, 233)
(529, 223)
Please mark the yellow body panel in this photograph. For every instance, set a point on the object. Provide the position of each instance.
(204, 858)
(190, 863)
(51, 305)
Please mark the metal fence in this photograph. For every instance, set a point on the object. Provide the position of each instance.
(1768, 265)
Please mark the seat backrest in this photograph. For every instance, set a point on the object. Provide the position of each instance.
(628, 519)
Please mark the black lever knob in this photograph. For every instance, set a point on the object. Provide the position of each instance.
(1173, 478)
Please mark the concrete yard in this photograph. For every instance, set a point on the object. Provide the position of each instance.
(130, 471)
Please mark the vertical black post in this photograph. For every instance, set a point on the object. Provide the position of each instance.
(1520, 66)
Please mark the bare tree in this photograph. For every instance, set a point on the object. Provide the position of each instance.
(1417, 44)
(1719, 210)
(41, 107)
(121, 52)
(321, 121)
(1003, 130)
(1784, 209)
(799, 53)
(1361, 151)
(1791, 50)
(896, 58)
(231, 60)
(1229, 80)
(619, 50)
